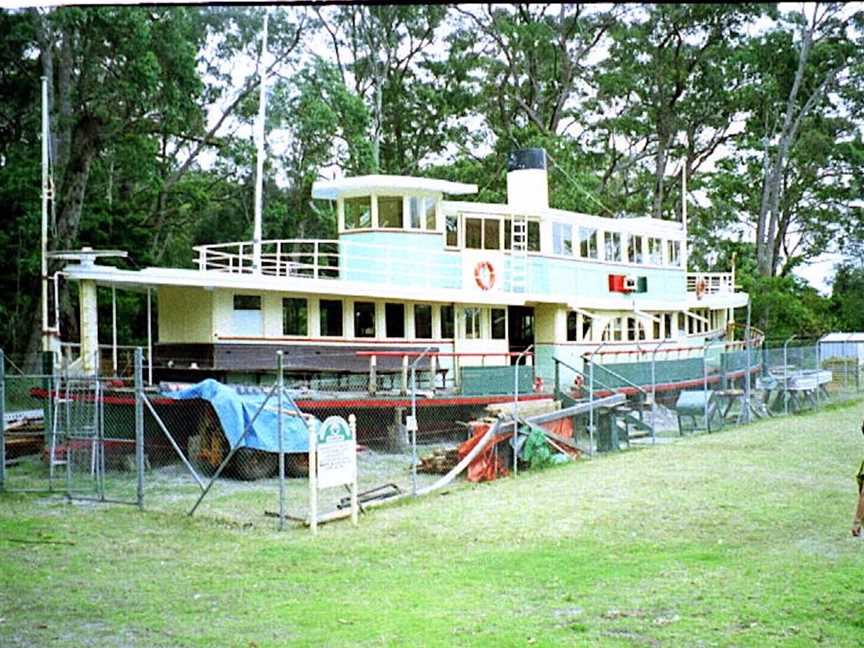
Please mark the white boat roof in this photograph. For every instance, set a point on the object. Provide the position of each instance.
(364, 185)
(843, 337)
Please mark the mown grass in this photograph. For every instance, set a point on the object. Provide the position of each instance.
(739, 538)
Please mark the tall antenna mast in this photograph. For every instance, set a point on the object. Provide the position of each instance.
(46, 344)
(259, 143)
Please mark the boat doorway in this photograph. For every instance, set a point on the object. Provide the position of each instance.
(521, 325)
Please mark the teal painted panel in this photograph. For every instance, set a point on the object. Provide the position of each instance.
(483, 381)
(403, 258)
(569, 277)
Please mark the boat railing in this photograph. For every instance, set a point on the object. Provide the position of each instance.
(332, 259)
(710, 283)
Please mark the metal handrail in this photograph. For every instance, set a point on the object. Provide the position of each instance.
(581, 373)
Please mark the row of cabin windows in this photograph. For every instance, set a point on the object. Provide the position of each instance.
(394, 212)
(633, 329)
(488, 233)
(295, 318)
(618, 247)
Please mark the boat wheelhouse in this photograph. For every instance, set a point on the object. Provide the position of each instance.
(417, 266)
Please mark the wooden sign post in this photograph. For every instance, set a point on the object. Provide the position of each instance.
(332, 462)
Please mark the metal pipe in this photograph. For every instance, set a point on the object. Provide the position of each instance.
(45, 191)
(280, 378)
(139, 425)
(786, 375)
(705, 344)
(747, 340)
(414, 425)
(114, 328)
(516, 410)
(259, 143)
(591, 399)
(149, 338)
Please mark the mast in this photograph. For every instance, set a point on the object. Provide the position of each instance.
(46, 344)
(259, 143)
(684, 254)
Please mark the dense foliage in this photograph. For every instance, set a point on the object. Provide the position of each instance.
(152, 148)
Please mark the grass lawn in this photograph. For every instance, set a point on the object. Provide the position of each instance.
(738, 538)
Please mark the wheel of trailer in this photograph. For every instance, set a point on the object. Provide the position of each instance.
(252, 464)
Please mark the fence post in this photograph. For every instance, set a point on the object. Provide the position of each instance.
(281, 380)
(786, 375)
(412, 427)
(139, 424)
(747, 334)
(706, 343)
(2, 420)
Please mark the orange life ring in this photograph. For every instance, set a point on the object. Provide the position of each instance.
(538, 384)
(700, 288)
(484, 275)
(578, 381)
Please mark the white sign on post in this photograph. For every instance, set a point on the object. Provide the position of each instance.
(332, 462)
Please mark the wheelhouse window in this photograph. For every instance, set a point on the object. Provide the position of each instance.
(390, 211)
(448, 322)
(394, 318)
(613, 246)
(422, 321)
(635, 329)
(415, 213)
(430, 205)
(364, 319)
(358, 212)
(634, 249)
(586, 327)
(472, 323)
(330, 317)
(614, 330)
(499, 324)
(673, 251)
(562, 239)
(588, 243)
(294, 316)
(655, 251)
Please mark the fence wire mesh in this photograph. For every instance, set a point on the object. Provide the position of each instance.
(116, 440)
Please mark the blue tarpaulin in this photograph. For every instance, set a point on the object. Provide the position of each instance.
(236, 410)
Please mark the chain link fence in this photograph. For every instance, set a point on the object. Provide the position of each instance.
(238, 453)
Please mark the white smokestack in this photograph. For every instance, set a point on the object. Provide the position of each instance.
(527, 184)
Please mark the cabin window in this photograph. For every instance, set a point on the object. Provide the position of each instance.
(358, 212)
(572, 326)
(667, 324)
(613, 246)
(614, 330)
(294, 316)
(390, 211)
(533, 236)
(448, 322)
(364, 319)
(472, 323)
(474, 233)
(499, 324)
(635, 329)
(674, 253)
(394, 319)
(491, 234)
(247, 318)
(330, 317)
(657, 333)
(586, 327)
(634, 250)
(422, 321)
(655, 251)
(562, 239)
(452, 225)
(587, 243)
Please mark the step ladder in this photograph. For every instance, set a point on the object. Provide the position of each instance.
(518, 254)
(60, 404)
